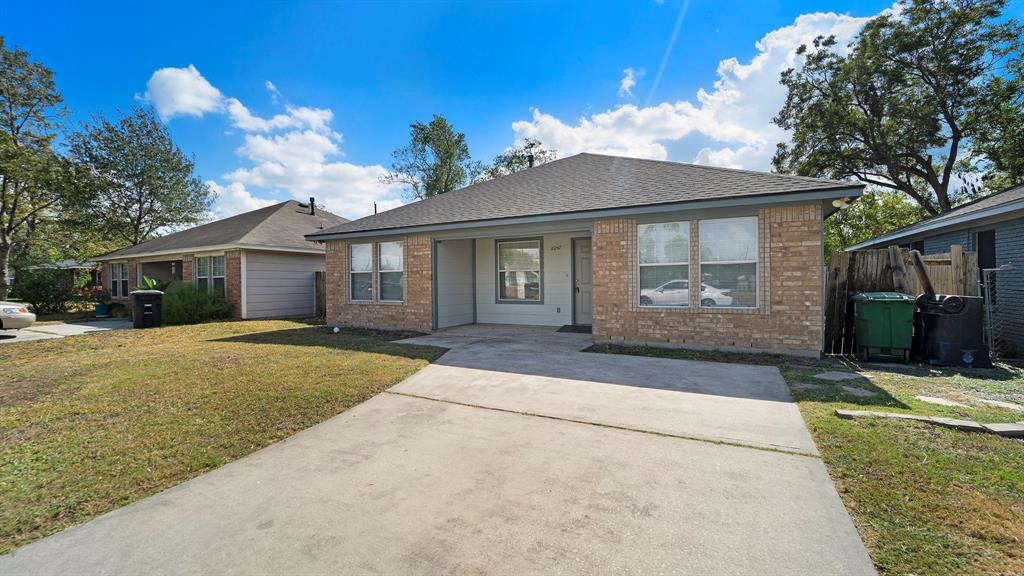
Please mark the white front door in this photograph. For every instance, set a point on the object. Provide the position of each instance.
(582, 280)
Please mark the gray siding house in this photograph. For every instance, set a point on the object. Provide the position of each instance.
(258, 261)
(993, 227)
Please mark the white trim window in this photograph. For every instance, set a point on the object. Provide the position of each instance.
(203, 274)
(664, 261)
(728, 263)
(520, 268)
(360, 272)
(118, 280)
(211, 275)
(218, 273)
(391, 271)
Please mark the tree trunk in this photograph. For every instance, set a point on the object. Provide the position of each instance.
(5, 254)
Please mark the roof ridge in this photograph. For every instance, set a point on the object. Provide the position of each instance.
(270, 214)
(722, 168)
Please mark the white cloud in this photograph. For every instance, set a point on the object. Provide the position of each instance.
(182, 92)
(736, 113)
(235, 199)
(629, 78)
(294, 153)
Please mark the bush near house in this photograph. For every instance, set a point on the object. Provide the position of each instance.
(186, 305)
(47, 291)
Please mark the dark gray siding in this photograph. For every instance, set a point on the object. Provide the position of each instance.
(1010, 285)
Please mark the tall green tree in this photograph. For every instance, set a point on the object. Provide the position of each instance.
(144, 182)
(910, 101)
(518, 158)
(435, 161)
(34, 181)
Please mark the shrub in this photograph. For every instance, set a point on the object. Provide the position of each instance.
(47, 291)
(186, 305)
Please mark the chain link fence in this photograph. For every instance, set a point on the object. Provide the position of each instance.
(1004, 309)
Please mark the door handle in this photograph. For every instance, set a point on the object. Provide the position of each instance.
(577, 289)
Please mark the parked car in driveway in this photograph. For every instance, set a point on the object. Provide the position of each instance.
(14, 316)
(677, 292)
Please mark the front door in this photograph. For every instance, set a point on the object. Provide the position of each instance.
(582, 280)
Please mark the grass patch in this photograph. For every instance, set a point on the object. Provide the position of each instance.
(91, 423)
(926, 500)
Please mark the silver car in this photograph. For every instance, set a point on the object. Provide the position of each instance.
(14, 316)
(677, 293)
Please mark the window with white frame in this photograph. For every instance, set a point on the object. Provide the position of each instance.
(519, 265)
(218, 275)
(203, 274)
(391, 271)
(361, 272)
(664, 262)
(728, 262)
(118, 280)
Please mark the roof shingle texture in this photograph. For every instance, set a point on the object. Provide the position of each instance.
(282, 225)
(586, 182)
(1015, 194)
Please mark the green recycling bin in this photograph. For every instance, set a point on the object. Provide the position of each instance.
(883, 325)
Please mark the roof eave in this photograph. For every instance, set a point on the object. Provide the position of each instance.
(887, 239)
(853, 190)
(211, 248)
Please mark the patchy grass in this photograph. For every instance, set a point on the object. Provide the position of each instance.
(91, 423)
(926, 500)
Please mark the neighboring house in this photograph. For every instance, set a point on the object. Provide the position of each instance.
(993, 227)
(611, 242)
(258, 260)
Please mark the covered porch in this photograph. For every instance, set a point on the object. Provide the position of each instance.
(512, 277)
(163, 271)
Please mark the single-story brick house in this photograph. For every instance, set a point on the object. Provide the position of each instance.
(259, 260)
(610, 242)
(993, 227)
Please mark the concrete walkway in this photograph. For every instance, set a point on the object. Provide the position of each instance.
(62, 330)
(514, 454)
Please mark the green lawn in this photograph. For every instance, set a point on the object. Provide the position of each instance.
(91, 423)
(926, 500)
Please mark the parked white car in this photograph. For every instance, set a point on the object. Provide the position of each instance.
(14, 316)
(677, 293)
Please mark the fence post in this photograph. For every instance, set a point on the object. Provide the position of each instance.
(320, 293)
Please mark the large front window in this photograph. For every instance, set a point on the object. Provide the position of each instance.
(361, 272)
(391, 270)
(118, 280)
(210, 275)
(664, 258)
(519, 270)
(728, 262)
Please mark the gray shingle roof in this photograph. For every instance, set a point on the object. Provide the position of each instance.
(586, 182)
(282, 225)
(968, 212)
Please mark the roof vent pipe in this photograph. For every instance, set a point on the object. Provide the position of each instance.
(529, 160)
(312, 205)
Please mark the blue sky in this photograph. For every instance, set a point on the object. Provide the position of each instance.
(351, 77)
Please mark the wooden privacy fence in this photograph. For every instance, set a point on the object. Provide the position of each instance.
(888, 270)
(320, 293)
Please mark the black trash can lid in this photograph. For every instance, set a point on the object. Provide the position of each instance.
(882, 297)
(146, 292)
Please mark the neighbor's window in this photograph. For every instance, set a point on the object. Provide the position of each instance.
(203, 274)
(361, 271)
(728, 262)
(390, 266)
(664, 258)
(519, 270)
(119, 280)
(217, 272)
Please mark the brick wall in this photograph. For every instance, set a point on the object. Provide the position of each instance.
(233, 281)
(187, 263)
(788, 317)
(133, 278)
(416, 313)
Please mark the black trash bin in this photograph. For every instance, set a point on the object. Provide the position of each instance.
(147, 308)
(951, 331)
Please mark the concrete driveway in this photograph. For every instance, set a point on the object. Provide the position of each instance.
(514, 454)
(62, 330)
